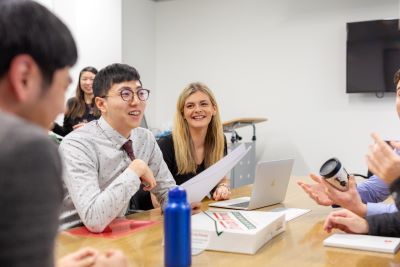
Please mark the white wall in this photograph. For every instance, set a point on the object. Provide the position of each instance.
(284, 60)
(97, 28)
(139, 45)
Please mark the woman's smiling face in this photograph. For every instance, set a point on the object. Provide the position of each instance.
(198, 110)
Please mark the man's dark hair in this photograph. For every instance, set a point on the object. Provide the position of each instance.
(27, 27)
(112, 74)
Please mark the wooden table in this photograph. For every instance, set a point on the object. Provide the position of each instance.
(299, 245)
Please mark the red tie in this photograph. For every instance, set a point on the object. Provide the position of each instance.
(128, 149)
(141, 200)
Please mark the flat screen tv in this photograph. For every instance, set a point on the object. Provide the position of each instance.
(373, 56)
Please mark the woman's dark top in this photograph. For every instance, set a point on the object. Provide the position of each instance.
(70, 122)
(166, 144)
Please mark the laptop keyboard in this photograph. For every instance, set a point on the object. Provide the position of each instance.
(241, 205)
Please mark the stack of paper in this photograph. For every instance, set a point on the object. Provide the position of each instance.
(200, 185)
(290, 213)
(364, 242)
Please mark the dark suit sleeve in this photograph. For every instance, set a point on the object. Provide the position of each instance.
(386, 224)
(395, 190)
(30, 201)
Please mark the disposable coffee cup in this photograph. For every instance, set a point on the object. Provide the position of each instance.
(334, 173)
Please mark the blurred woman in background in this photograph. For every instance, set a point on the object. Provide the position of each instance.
(81, 108)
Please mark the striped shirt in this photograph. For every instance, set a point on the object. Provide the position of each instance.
(97, 179)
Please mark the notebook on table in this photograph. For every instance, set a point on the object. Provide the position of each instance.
(364, 242)
(269, 188)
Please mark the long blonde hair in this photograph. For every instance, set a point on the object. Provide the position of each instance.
(183, 143)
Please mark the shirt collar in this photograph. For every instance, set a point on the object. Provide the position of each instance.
(114, 136)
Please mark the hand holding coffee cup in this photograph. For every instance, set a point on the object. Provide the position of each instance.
(334, 173)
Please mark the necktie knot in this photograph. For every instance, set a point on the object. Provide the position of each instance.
(128, 149)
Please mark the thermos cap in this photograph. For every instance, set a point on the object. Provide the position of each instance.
(330, 168)
(177, 194)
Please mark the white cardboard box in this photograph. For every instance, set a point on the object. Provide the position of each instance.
(235, 231)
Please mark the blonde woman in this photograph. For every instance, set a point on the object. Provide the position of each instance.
(197, 140)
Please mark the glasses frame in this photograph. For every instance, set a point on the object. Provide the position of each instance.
(133, 94)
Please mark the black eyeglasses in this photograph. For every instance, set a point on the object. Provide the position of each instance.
(128, 95)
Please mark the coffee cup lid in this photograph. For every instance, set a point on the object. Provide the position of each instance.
(330, 168)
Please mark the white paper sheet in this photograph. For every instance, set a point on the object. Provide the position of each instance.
(200, 185)
(291, 213)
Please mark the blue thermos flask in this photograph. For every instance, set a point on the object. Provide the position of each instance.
(177, 233)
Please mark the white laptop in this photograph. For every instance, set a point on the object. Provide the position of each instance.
(269, 188)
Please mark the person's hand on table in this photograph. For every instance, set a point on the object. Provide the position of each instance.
(222, 192)
(346, 221)
(196, 207)
(83, 257)
(112, 258)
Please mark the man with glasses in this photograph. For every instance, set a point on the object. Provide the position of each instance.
(108, 159)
